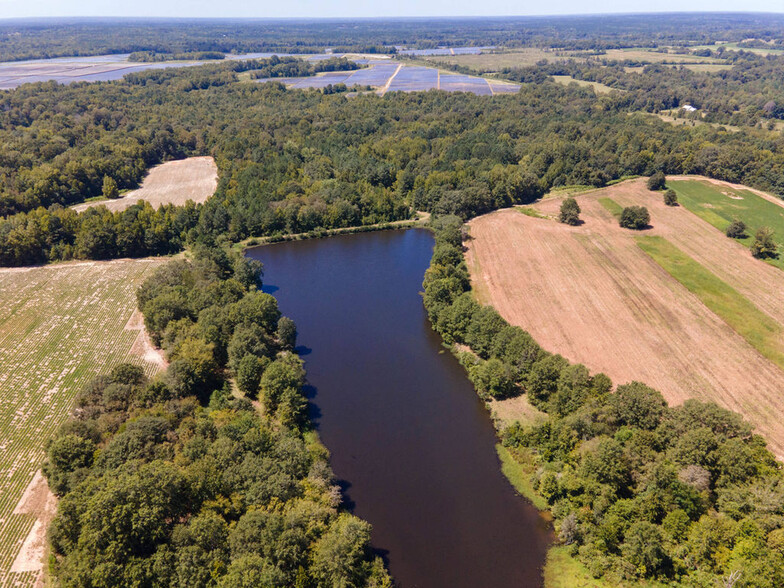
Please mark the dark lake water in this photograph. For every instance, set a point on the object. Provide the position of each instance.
(408, 435)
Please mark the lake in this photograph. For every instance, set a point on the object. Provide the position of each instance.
(410, 440)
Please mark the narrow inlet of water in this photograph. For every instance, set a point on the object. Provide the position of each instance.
(410, 440)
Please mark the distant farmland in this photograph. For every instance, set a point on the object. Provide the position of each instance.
(173, 182)
(394, 76)
(680, 306)
(60, 325)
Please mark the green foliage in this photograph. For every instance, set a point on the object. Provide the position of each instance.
(570, 212)
(160, 487)
(657, 181)
(493, 379)
(670, 197)
(764, 245)
(287, 333)
(635, 217)
(109, 188)
(736, 229)
(342, 163)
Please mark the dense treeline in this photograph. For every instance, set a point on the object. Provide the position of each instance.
(173, 481)
(750, 91)
(152, 57)
(41, 38)
(41, 235)
(289, 67)
(293, 161)
(637, 489)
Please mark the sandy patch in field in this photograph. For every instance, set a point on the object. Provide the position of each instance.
(591, 294)
(173, 182)
(142, 346)
(515, 409)
(37, 500)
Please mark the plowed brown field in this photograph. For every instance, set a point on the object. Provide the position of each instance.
(173, 182)
(591, 294)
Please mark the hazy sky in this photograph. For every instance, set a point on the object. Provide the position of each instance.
(362, 8)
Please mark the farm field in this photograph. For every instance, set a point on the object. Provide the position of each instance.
(500, 60)
(718, 204)
(594, 295)
(60, 325)
(530, 56)
(650, 56)
(173, 182)
(597, 87)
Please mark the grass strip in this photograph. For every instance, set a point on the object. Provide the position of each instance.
(528, 211)
(756, 327)
(611, 206)
(519, 478)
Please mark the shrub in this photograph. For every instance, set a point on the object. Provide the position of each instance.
(635, 217)
(109, 189)
(670, 198)
(656, 181)
(736, 230)
(570, 212)
(764, 246)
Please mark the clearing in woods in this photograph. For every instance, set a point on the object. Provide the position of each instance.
(592, 294)
(173, 182)
(60, 325)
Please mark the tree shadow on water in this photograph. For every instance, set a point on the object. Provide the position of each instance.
(269, 288)
(314, 412)
(347, 502)
(302, 350)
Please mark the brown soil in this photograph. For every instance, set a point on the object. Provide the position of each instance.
(143, 346)
(591, 294)
(37, 500)
(173, 182)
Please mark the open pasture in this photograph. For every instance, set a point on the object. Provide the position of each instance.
(651, 56)
(60, 325)
(594, 295)
(595, 86)
(173, 182)
(719, 203)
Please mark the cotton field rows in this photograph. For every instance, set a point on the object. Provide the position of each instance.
(59, 326)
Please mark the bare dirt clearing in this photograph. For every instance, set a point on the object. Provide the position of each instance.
(173, 182)
(591, 294)
(59, 326)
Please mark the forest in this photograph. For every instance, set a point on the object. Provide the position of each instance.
(637, 489)
(45, 38)
(749, 93)
(293, 161)
(176, 481)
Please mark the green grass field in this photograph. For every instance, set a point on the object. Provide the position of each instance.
(611, 206)
(60, 325)
(758, 328)
(718, 205)
(597, 87)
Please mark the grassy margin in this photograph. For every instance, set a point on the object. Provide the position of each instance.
(756, 327)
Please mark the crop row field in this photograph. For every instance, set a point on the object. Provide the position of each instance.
(60, 325)
(678, 306)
